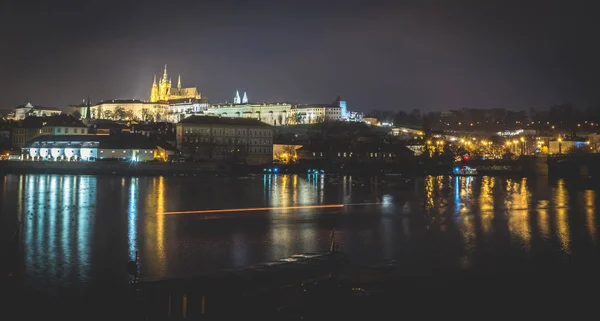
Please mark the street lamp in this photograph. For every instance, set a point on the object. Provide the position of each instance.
(559, 145)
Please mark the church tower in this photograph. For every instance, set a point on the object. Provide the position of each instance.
(164, 86)
(245, 99)
(236, 99)
(179, 82)
(154, 96)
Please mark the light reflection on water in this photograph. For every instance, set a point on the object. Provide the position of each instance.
(75, 229)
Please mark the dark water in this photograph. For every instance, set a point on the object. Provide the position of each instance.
(79, 231)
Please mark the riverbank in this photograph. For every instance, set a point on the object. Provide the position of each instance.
(109, 168)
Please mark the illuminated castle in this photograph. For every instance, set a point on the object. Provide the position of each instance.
(164, 92)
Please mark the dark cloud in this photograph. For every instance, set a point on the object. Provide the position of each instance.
(388, 55)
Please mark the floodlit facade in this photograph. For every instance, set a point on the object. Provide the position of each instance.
(275, 114)
(129, 109)
(90, 148)
(163, 91)
(23, 111)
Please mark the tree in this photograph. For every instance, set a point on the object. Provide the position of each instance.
(401, 118)
(146, 116)
(287, 154)
(119, 113)
(107, 114)
(76, 114)
(582, 149)
(414, 118)
(129, 114)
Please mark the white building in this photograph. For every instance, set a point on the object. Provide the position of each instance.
(126, 147)
(23, 111)
(128, 109)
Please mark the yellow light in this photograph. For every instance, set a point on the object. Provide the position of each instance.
(522, 139)
(428, 142)
(552, 126)
(559, 139)
(253, 209)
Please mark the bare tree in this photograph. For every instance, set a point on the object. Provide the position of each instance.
(119, 113)
(107, 114)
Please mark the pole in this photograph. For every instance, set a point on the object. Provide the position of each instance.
(202, 302)
(184, 306)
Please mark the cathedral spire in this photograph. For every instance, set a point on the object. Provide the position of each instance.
(236, 99)
(165, 74)
(154, 83)
(179, 82)
(245, 99)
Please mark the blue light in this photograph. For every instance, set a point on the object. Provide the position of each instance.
(264, 169)
(269, 170)
(456, 169)
(275, 169)
(322, 171)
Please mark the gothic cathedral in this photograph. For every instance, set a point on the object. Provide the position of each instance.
(163, 91)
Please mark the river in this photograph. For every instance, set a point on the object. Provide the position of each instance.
(78, 232)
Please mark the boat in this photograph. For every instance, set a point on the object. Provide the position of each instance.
(464, 171)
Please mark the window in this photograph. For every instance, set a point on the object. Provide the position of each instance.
(58, 130)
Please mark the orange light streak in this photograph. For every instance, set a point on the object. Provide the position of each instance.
(253, 209)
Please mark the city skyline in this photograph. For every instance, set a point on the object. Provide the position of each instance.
(398, 56)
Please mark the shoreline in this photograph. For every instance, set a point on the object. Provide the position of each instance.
(109, 168)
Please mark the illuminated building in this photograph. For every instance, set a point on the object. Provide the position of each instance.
(313, 114)
(276, 114)
(128, 109)
(285, 153)
(90, 148)
(318, 113)
(221, 139)
(370, 120)
(162, 91)
(23, 111)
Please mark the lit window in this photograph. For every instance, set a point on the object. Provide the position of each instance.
(113, 151)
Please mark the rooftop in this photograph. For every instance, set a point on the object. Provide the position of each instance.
(123, 141)
(63, 120)
(29, 105)
(127, 101)
(212, 120)
(317, 106)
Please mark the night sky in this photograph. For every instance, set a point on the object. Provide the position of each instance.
(400, 55)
